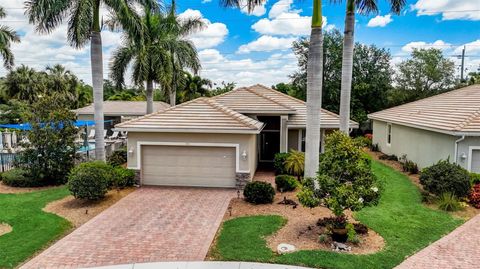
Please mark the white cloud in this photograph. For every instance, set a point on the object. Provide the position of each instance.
(380, 21)
(258, 10)
(267, 43)
(282, 6)
(449, 9)
(439, 44)
(213, 35)
(244, 72)
(470, 48)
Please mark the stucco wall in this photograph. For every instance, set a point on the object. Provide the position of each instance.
(246, 142)
(464, 148)
(421, 146)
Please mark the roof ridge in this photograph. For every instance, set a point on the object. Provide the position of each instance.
(281, 93)
(249, 89)
(158, 112)
(226, 93)
(237, 116)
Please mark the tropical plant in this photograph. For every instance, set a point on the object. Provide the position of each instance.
(62, 81)
(279, 162)
(84, 26)
(314, 81)
(448, 202)
(7, 37)
(50, 153)
(446, 177)
(295, 163)
(474, 196)
(194, 87)
(24, 83)
(364, 7)
(285, 183)
(223, 88)
(345, 178)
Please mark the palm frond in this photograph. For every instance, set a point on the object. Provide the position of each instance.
(3, 14)
(250, 4)
(47, 14)
(80, 23)
(121, 58)
(126, 15)
(397, 5)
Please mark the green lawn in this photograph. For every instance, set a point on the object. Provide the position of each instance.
(406, 225)
(33, 228)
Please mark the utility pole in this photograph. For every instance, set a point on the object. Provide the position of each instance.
(463, 64)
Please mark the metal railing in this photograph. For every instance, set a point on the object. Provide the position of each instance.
(6, 161)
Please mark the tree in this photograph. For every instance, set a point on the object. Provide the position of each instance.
(194, 87)
(25, 83)
(160, 54)
(427, 73)
(314, 82)
(345, 178)
(84, 25)
(364, 7)
(224, 88)
(372, 75)
(7, 37)
(84, 95)
(60, 80)
(474, 78)
(50, 153)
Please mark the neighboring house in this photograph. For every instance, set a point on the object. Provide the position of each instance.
(218, 141)
(445, 126)
(119, 111)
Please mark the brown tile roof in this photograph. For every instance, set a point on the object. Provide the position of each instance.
(456, 111)
(199, 115)
(123, 108)
(299, 118)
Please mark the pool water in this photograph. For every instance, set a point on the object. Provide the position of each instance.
(86, 148)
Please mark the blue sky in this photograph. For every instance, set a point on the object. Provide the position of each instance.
(255, 48)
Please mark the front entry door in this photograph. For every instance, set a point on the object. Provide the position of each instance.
(269, 145)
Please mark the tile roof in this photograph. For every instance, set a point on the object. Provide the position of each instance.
(199, 115)
(456, 111)
(246, 100)
(123, 108)
(299, 118)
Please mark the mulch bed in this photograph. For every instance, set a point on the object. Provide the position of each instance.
(4, 189)
(79, 212)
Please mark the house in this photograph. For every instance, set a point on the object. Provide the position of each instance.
(445, 126)
(118, 111)
(218, 141)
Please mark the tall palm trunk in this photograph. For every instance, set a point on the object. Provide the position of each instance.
(97, 81)
(314, 92)
(173, 87)
(149, 97)
(347, 67)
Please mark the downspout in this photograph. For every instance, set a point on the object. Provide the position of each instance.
(456, 147)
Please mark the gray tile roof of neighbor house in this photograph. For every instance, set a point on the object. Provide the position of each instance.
(199, 115)
(455, 112)
(122, 108)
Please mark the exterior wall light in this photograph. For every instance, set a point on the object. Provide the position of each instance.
(130, 152)
(463, 156)
(244, 155)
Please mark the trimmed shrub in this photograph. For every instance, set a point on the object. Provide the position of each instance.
(408, 166)
(285, 183)
(123, 177)
(90, 180)
(446, 177)
(279, 163)
(448, 202)
(257, 192)
(18, 177)
(387, 157)
(363, 141)
(474, 197)
(118, 157)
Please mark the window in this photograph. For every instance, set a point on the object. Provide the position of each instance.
(389, 134)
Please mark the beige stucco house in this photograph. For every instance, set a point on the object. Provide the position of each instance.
(440, 127)
(118, 111)
(218, 141)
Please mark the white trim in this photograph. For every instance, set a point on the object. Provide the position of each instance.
(389, 133)
(188, 144)
(186, 130)
(299, 145)
(470, 155)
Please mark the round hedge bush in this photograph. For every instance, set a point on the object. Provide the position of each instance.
(123, 177)
(118, 157)
(90, 180)
(286, 183)
(259, 192)
(445, 177)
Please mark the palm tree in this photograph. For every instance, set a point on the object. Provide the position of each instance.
(194, 87)
(24, 83)
(84, 25)
(160, 55)
(62, 81)
(7, 36)
(364, 7)
(314, 83)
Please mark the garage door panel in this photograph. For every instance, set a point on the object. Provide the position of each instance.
(188, 166)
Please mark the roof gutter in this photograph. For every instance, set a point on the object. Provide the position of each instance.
(456, 147)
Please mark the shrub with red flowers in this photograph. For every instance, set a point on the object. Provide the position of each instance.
(474, 197)
(369, 136)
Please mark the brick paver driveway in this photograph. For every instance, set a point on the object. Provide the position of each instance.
(149, 225)
(459, 249)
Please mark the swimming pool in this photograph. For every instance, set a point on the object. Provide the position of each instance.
(86, 148)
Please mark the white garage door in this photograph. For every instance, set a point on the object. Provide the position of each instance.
(475, 165)
(188, 166)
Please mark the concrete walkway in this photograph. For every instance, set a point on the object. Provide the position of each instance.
(202, 265)
(459, 249)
